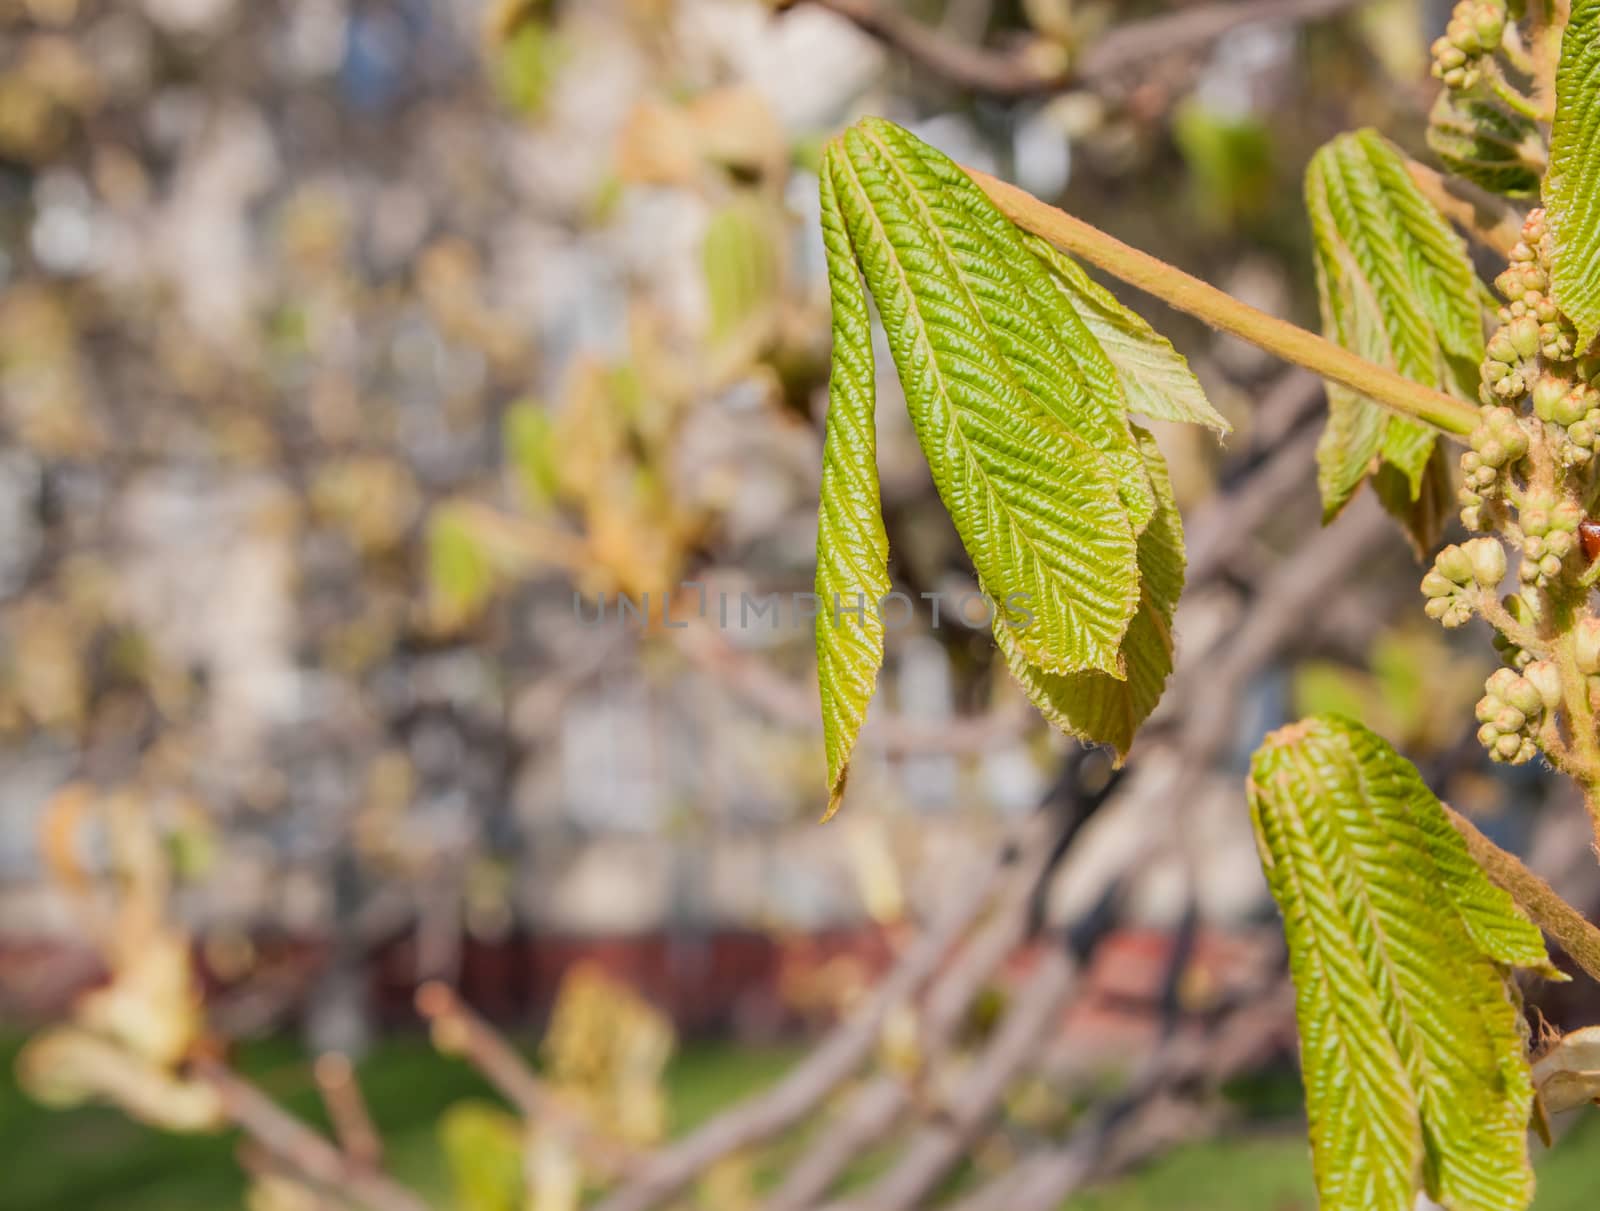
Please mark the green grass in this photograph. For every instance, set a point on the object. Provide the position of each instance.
(97, 1160)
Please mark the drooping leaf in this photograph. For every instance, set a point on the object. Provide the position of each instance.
(1038, 471)
(1572, 186)
(1396, 286)
(1043, 339)
(1482, 141)
(1019, 373)
(1411, 1038)
(1155, 377)
(1093, 706)
(852, 547)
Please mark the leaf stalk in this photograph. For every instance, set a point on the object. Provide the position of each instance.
(1224, 312)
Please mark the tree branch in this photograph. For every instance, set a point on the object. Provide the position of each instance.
(1574, 933)
(1014, 74)
(457, 1029)
(300, 1148)
(844, 1051)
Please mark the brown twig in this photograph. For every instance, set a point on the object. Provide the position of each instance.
(873, 1109)
(347, 1110)
(1012, 74)
(1571, 930)
(299, 1148)
(840, 1055)
(458, 1030)
(941, 1143)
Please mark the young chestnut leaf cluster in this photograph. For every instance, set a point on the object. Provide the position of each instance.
(1482, 127)
(1020, 374)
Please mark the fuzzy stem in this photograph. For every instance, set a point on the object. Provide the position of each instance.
(1178, 289)
(1507, 92)
(1533, 895)
(1549, 22)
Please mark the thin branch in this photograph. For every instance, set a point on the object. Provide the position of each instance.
(940, 1145)
(300, 1148)
(1222, 311)
(1018, 73)
(458, 1030)
(1574, 933)
(874, 1108)
(347, 1110)
(839, 1056)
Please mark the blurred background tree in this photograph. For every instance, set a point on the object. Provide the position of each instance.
(357, 361)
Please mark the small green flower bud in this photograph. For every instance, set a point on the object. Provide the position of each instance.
(1556, 341)
(1508, 748)
(1510, 284)
(1545, 677)
(1437, 607)
(1499, 682)
(1547, 392)
(1523, 335)
(1454, 564)
(1435, 584)
(1522, 251)
(1582, 434)
(1488, 735)
(1488, 560)
(1510, 720)
(1488, 707)
(1509, 387)
(1550, 567)
(1500, 349)
(1536, 520)
(1570, 408)
(1561, 543)
(1520, 695)
(1533, 547)
(1586, 645)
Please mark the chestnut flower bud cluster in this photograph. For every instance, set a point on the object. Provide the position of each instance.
(1458, 573)
(1496, 444)
(1550, 536)
(1512, 707)
(1475, 29)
